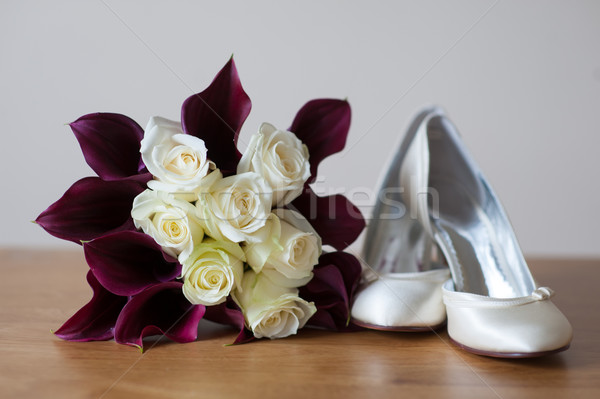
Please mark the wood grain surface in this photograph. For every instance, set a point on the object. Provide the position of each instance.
(39, 290)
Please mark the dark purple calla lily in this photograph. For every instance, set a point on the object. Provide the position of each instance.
(337, 220)
(96, 320)
(323, 126)
(228, 313)
(127, 262)
(91, 208)
(332, 288)
(160, 309)
(110, 144)
(216, 116)
(245, 336)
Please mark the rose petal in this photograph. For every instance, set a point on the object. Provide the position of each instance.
(334, 217)
(127, 262)
(90, 208)
(216, 116)
(332, 289)
(323, 126)
(160, 309)
(110, 144)
(96, 320)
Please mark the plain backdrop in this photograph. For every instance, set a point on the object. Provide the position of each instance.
(520, 79)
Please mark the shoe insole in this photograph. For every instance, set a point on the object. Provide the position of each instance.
(479, 244)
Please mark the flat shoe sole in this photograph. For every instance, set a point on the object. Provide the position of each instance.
(508, 355)
(399, 328)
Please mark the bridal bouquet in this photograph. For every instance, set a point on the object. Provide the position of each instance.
(179, 226)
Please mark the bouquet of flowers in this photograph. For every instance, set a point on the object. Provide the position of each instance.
(179, 226)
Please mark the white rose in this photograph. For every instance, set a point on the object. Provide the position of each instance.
(212, 270)
(270, 310)
(289, 251)
(178, 161)
(281, 158)
(170, 221)
(236, 207)
(258, 253)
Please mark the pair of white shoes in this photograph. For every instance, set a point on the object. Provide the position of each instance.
(440, 247)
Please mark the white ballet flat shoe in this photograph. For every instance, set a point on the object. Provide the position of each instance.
(528, 326)
(494, 306)
(401, 289)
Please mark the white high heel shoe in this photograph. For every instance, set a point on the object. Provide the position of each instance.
(493, 304)
(402, 289)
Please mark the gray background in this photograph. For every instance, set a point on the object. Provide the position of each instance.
(521, 80)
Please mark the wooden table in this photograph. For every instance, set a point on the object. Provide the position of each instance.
(39, 290)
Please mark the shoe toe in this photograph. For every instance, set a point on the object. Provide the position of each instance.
(401, 301)
(519, 327)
